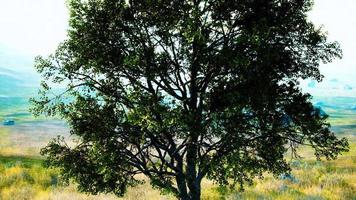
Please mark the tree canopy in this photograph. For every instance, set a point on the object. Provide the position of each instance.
(185, 90)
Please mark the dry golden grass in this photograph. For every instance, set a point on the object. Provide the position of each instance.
(313, 180)
(23, 177)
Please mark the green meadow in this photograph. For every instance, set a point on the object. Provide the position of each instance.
(23, 174)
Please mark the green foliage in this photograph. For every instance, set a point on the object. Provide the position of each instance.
(182, 90)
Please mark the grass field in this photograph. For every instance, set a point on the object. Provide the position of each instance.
(23, 175)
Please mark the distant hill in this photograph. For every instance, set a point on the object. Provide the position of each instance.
(18, 82)
(13, 85)
(18, 77)
(336, 103)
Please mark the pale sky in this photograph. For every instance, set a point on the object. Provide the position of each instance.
(32, 27)
(338, 18)
(35, 27)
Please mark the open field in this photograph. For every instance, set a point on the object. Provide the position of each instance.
(23, 175)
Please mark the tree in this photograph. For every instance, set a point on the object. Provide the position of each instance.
(182, 90)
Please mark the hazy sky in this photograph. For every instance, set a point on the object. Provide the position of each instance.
(33, 27)
(338, 18)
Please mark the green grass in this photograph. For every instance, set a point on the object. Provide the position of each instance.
(23, 178)
(23, 161)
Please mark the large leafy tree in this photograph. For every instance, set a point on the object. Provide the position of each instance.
(181, 90)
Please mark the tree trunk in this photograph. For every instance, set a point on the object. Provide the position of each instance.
(182, 187)
(194, 190)
(185, 185)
